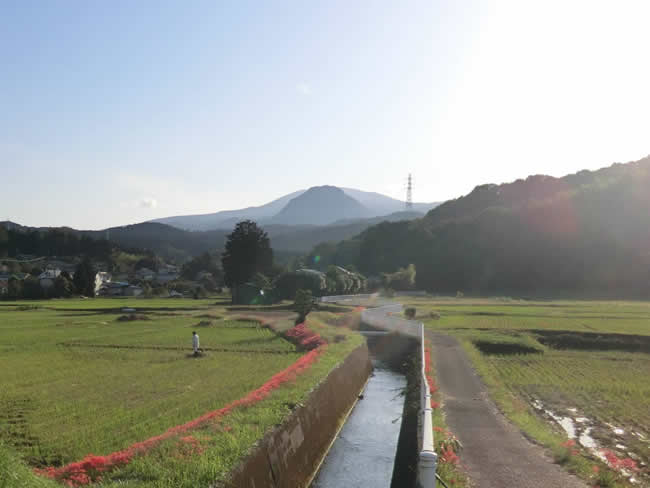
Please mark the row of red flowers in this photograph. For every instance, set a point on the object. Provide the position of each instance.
(448, 444)
(305, 337)
(427, 372)
(90, 468)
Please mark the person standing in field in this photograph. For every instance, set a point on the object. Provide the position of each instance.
(195, 342)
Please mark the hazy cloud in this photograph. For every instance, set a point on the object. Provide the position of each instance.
(148, 203)
(303, 89)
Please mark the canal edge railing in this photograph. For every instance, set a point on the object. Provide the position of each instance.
(383, 317)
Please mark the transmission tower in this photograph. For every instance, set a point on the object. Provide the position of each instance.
(409, 193)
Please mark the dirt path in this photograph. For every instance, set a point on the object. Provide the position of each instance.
(495, 453)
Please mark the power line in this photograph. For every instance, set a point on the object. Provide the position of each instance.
(409, 193)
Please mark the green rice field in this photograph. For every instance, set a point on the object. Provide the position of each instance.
(80, 379)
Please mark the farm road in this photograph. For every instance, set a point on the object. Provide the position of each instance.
(495, 453)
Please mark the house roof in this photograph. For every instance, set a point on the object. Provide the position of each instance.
(115, 284)
(49, 274)
(310, 271)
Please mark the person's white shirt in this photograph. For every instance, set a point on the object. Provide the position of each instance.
(195, 342)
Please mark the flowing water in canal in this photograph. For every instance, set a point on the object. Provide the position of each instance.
(363, 453)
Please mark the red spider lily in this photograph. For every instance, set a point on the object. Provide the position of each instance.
(305, 337)
(88, 470)
(617, 463)
(569, 443)
(427, 372)
(447, 455)
(189, 446)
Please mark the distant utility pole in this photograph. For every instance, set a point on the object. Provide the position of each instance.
(409, 193)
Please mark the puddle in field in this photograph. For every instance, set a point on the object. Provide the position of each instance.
(581, 428)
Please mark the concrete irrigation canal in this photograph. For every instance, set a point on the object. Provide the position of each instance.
(381, 443)
(369, 437)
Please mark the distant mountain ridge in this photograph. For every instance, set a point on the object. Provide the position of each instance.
(227, 218)
(295, 223)
(322, 205)
(179, 245)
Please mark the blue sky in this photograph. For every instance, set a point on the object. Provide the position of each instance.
(118, 112)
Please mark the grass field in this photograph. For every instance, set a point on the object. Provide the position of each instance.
(584, 365)
(77, 380)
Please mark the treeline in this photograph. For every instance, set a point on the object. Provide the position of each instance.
(52, 242)
(337, 281)
(587, 233)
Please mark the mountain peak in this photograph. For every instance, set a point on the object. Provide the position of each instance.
(321, 205)
(372, 205)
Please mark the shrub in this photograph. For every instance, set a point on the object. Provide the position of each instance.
(402, 279)
(288, 284)
(434, 315)
(199, 292)
(410, 313)
(131, 317)
(303, 304)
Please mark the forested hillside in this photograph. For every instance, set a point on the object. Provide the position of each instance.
(586, 232)
(16, 240)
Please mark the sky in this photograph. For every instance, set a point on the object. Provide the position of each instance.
(118, 112)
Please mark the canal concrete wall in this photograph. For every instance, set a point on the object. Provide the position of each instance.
(288, 456)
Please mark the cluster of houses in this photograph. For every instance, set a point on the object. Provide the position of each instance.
(105, 283)
(120, 286)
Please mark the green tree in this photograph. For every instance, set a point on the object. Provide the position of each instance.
(402, 279)
(84, 278)
(303, 304)
(205, 262)
(199, 292)
(4, 241)
(32, 288)
(208, 283)
(62, 287)
(15, 288)
(247, 251)
(146, 290)
(261, 281)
